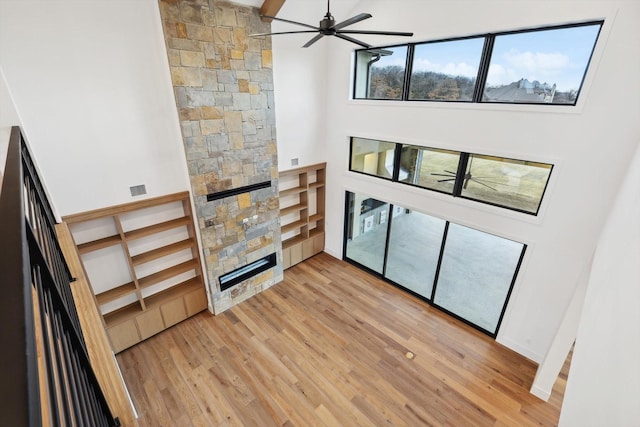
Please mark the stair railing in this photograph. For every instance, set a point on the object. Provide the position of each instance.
(47, 378)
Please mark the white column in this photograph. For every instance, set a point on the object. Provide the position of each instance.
(603, 388)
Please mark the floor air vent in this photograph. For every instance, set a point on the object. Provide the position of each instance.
(243, 273)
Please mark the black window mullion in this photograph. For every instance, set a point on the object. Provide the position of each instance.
(483, 69)
(386, 243)
(397, 152)
(513, 282)
(407, 72)
(460, 174)
(350, 153)
(437, 275)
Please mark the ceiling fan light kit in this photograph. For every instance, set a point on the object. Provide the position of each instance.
(328, 27)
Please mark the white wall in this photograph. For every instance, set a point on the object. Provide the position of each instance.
(590, 145)
(8, 118)
(91, 84)
(301, 82)
(604, 378)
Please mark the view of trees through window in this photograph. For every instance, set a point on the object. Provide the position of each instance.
(445, 71)
(540, 66)
(384, 72)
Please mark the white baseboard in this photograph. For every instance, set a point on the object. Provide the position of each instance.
(540, 393)
(524, 351)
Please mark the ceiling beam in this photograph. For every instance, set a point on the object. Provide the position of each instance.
(271, 8)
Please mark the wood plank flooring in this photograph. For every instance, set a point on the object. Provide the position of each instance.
(328, 347)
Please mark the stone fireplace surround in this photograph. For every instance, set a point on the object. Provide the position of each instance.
(223, 86)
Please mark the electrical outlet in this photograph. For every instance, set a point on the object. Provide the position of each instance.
(294, 161)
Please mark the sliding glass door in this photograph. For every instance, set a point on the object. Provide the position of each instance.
(414, 248)
(367, 232)
(466, 272)
(476, 273)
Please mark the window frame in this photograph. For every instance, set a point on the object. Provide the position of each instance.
(462, 170)
(460, 175)
(409, 72)
(396, 159)
(448, 193)
(368, 75)
(483, 68)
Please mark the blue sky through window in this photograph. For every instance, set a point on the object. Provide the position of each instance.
(453, 58)
(557, 56)
(399, 57)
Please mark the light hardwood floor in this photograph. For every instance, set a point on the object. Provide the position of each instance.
(328, 347)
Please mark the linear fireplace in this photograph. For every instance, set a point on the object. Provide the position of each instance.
(243, 273)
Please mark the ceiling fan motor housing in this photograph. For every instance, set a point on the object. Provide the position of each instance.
(326, 25)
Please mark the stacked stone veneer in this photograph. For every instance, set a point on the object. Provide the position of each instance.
(223, 85)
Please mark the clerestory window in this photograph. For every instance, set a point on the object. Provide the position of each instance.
(509, 183)
(536, 66)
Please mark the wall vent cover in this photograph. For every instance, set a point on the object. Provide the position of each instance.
(138, 190)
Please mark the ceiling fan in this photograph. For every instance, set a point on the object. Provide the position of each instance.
(328, 27)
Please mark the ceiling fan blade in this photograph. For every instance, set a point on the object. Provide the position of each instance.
(352, 40)
(283, 32)
(313, 40)
(481, 183)
(352, 20)
(290, 22)
(383, 33)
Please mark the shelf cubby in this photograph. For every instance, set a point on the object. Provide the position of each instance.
(163, 302)
(302, 222)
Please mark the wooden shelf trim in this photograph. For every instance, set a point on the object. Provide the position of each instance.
(303, 169)
(293, 241)
(316, 217)
(94, 245)
(291, 191)
(292, 226)
(292, 209)
(316, 185)
(115, 293)
(134, 309)
(156, 228)
(125, 207)
(168, 273)
(315, 232)
(173, 292)
(127, 312)
(163, 251)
